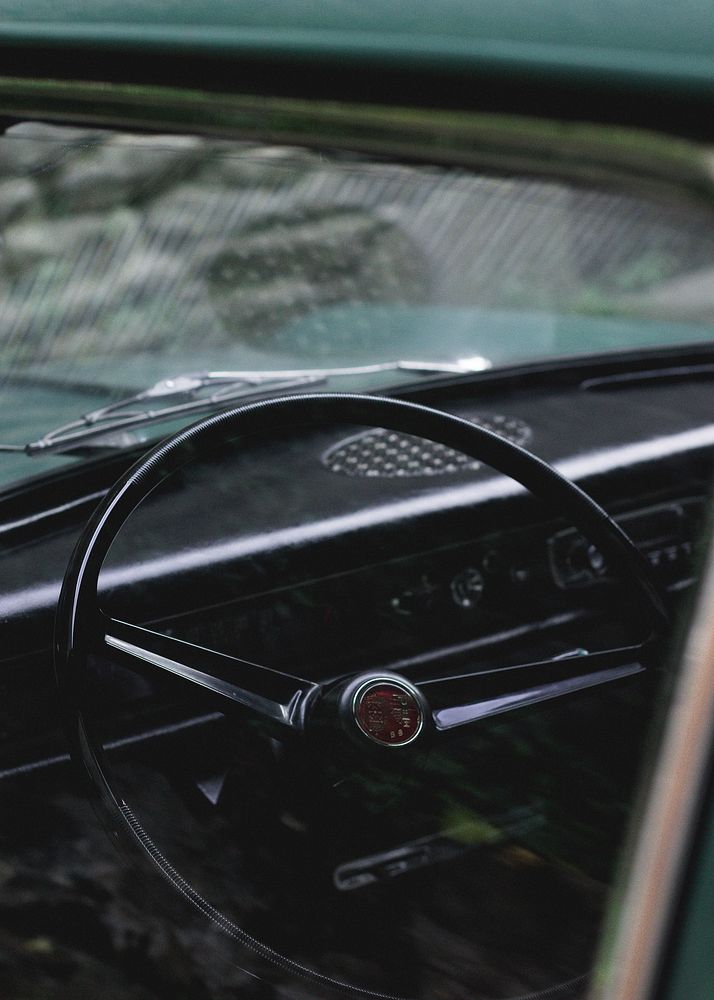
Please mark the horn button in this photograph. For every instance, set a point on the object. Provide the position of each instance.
(386, 709)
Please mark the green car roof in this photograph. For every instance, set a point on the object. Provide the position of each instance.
(645, 42)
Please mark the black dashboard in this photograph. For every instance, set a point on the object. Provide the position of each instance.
(330, 549)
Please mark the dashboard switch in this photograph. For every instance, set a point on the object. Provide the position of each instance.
(467, 588)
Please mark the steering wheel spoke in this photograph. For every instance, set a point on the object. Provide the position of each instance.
(270, 694)
(468, 698)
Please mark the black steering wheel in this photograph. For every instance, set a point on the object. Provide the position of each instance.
(380, 711)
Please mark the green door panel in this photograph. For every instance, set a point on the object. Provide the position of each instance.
(692, 972)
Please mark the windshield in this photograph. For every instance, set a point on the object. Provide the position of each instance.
(128, 259)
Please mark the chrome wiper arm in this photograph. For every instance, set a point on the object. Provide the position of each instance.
(123, 415)
(205, 391)
(461, 366)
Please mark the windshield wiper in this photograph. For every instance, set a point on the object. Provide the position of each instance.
(204, 391)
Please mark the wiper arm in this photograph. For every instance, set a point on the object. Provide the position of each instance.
(199, 392)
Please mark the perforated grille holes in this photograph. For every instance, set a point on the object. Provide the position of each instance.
(386, 453)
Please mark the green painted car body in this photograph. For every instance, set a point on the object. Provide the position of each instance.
(637, 44)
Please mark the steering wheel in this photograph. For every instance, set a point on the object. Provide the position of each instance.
(380, 712)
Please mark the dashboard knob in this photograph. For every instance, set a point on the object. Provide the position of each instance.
(467, 588)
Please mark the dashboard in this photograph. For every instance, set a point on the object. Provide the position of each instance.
(334, 551)
(639, 443)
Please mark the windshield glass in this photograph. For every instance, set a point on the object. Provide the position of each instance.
(127, 259)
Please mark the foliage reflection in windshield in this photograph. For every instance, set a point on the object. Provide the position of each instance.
(130, 258)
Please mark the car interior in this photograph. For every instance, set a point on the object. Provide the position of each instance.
(351, 511)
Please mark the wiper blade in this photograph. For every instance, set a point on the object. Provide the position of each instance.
(197, 392)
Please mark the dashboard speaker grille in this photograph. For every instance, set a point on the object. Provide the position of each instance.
(389, 454)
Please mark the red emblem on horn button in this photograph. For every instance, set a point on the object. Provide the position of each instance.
(388, 712)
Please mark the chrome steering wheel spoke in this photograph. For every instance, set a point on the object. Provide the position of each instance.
(271, 694)
(464, 699)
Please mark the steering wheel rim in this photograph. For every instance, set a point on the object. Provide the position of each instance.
(78, 618)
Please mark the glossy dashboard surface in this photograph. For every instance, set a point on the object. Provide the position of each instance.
(628, 438)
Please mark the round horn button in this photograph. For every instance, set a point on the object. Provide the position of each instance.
(388, 712)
